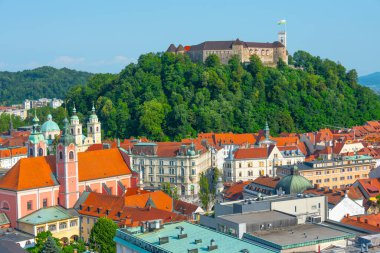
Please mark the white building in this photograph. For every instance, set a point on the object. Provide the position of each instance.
(176, 163)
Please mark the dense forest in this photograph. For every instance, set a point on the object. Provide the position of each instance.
(38, 83)
(167, 96)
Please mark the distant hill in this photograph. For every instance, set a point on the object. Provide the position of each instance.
(37, 83)
(371, 80)
(169, 97)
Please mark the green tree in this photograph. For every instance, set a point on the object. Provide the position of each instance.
(50, 246)
(204, 191)
(102, 234)
(169, 190)
(151, 119)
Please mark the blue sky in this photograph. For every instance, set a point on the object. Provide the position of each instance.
(104, 36)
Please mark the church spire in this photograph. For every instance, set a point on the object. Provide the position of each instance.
(266, 130)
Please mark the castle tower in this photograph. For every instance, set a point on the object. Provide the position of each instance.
(282, 37)
(36, 142)
(67, 168)
(76, 128)
(94, 127)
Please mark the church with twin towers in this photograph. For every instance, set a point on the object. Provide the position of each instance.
(42, 138)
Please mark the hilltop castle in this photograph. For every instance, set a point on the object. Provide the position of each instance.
(269, 53)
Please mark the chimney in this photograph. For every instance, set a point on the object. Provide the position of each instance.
(348, 215)
(358, 219)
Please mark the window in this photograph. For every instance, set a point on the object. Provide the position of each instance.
(295, 209)
(318, 173)
(326, 180)
(335, 179)
(90, 129)
(74, 223)
(5, 205)
(239, 174)
(78, 131)
(44, 203)
(349, 177)
(318, 180)
(342, 170)
(151, 170)
(172, 171)
(31, 152)
(261, 164)
(171, 163)
(40, 229)
(192, 171)
(172, 180)
(192, 163)
(161, 162)
(151, 179)
(62, 225)
(60, 155)
(88, 220)
(29, 205)
(97, 129)
(72, 131)
(40, 152)
(342, 178)
(161, 170)
(161, 179)
(357, 168)
(52, 227)
(71, 155)
(239, 165)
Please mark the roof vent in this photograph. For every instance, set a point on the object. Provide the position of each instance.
(198, 241)
(244, 251)
(163, 240)
(212, 246)
(192, 251)
(181, 234)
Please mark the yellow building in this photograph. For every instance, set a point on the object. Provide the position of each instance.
(337, 173)
(62, 223)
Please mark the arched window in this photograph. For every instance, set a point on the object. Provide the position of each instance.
(90, 129)
(97, 129)
(40, 152)
(4, 205)
(60, 155)
(31, 152)
(267, 52)
(71, 155)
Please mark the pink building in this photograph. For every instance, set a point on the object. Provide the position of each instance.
(43, 181)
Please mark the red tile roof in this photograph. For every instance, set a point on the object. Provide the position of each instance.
(38, 172)
(115, 208)
(270, 182)
(371, 186)
(184, 207)
(235, 191)
(251, 153)
(161, 200)
(4, 153)
(334, 196)
(369, 222)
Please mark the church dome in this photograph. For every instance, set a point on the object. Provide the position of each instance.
(49, 125)
(294, 183)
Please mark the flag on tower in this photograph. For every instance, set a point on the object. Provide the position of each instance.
(281, 22)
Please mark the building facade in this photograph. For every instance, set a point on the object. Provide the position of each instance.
(176, 163)
(337, 173)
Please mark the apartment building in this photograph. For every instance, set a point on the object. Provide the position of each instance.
(336, 173)
(177, 163)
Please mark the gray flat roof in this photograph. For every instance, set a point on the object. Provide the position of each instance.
(254, 217)
(15, 236)
(273, 198)
(297, 236)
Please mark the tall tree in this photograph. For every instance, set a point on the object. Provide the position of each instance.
(102, 234)
(50, 246)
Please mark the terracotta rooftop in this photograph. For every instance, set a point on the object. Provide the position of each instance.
(235, 191)
(251, 153)
(334, 196)
(369, 222)
(184, 207)
(38, 172)
(116, 208)
(267, 181)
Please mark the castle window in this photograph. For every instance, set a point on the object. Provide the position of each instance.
(31, 152)
(71, 155)
(40, 152)
(60, 155)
